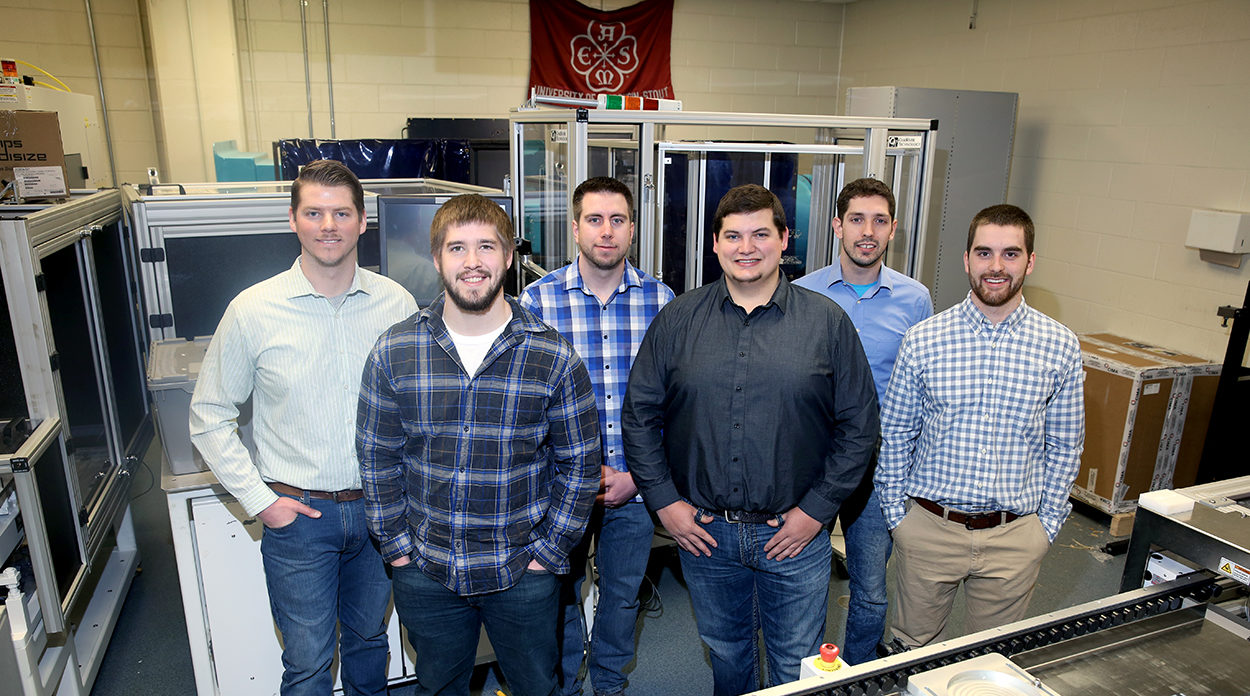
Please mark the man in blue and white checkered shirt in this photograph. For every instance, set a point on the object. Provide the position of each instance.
(983, 425)
(603, 305)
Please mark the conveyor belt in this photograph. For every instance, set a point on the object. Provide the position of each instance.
(1058, 629)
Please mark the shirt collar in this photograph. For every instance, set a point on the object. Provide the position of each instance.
(975, 318)
(297, 284)
(885, 278)
(781, 296)
(522, 319)
(573, 278)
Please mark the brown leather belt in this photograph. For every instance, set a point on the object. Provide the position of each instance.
(337, 496)
(979, 520)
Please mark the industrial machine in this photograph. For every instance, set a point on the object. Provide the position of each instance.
(73, 419)
(1189, 635)
(680, 163)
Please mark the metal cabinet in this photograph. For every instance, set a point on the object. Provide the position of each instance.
(199, 245)
(74, 413)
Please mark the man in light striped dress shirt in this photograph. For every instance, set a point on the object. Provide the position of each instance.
(982, 425)
(296, 343)
(603, 305)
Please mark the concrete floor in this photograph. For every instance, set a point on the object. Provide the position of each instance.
(149, 654)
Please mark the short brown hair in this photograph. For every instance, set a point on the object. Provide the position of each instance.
(601, 184)
(1006, 215)
(328, 173)
(749, 198)
(467, 208)
(864, 188)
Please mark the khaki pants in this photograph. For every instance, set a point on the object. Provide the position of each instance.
(998, 568)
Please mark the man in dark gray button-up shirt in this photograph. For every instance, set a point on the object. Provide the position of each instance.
(749, 418)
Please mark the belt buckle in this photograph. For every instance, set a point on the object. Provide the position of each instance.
(334, 495)
(728, 518)
(984, 520)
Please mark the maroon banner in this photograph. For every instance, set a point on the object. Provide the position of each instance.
(577, 51)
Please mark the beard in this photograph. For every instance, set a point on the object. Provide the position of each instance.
(606, 264)
(995, 297)
(475, 304)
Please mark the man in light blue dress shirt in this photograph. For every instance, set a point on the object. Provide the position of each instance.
(296, 343)
(982, 429)
(882, 304)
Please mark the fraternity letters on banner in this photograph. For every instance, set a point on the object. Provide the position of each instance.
(577, 51)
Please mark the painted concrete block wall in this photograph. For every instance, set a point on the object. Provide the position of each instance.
(53, 35)
(392, 59)
(1132, 113)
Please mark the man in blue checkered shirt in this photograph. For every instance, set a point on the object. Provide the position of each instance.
(603, 305)
(479, 452)
(982, 425)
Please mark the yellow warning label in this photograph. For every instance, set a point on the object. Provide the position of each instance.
(1235, 571)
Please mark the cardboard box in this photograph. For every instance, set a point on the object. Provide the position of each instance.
(1146, 415)
(31, 139)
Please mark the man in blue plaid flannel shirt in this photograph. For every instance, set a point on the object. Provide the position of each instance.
(479, 452)
(603, 305)
(982, 426)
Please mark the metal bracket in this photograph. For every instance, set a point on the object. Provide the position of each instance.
(1229, 312)
(19, 464)
(160, 321)
(152, 255)
(583, 116)
(41, 282)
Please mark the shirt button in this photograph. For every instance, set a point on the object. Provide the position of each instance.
(609, 426)
(605, 337)
(735, 459)
(611, 451)
(746, 323)
(466, 428)
(737, 425)
(609, 396)
(742, 355)
(984, 450)
(738, 388)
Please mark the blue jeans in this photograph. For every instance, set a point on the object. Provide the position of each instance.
(322, 572)
(738, 591)
(621, 554)
(443, 628)
(868, 547)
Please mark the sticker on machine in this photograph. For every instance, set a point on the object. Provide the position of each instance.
(1237, 572)
(905, 142)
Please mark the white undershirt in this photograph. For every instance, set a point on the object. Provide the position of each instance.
(473, 349)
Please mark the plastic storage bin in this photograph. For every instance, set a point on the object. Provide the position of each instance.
(173, 366)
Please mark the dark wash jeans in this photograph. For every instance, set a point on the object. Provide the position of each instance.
(621, 554)
(321, 572)
(737, 591)
(443, 628)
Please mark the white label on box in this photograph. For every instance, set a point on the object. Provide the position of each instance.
(1150, 388)
(38, 182)
(1237, 572)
